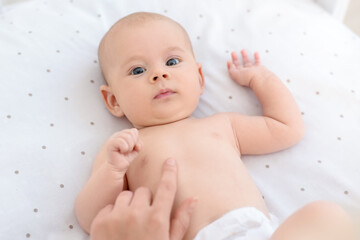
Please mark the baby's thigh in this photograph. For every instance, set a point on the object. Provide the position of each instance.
(317, 221)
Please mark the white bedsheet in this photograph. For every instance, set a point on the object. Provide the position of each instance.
(53, 121)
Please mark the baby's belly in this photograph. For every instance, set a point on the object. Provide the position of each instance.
(214, 175)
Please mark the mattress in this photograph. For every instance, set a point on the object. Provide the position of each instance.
(53, 120)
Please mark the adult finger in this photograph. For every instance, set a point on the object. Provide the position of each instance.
(181, 220)
(141, 198)
(122, 200)
(99, 221)
(165, 193)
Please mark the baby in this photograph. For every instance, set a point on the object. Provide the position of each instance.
(154, 81)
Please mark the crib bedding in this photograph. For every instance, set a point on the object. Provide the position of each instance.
(53, 120)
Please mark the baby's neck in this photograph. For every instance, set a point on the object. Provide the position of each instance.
(178, 121)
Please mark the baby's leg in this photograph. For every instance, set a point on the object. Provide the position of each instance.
(317, 221)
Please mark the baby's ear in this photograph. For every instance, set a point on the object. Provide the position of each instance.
(110, 101)
(201, 77)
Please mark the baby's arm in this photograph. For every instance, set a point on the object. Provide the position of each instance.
(108, 176)
(281, 125)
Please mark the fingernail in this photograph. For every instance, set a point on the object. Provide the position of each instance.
(170, 162)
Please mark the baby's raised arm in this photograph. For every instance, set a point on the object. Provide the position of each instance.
(281, 125)
(108, 176)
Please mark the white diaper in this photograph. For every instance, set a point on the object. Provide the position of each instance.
(244, 223)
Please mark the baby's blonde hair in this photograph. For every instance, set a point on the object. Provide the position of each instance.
(135, 19)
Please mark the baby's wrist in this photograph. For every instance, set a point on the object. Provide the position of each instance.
(262, 74)
(116, 171)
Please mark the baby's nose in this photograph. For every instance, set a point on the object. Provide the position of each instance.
(165, 76)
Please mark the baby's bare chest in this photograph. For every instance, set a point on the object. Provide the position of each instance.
(197, 148)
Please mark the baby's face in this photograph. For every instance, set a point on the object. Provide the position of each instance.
(152, 73)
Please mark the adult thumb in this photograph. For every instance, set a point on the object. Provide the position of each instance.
(181, 220)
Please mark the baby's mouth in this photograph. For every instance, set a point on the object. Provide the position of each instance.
(163, 93)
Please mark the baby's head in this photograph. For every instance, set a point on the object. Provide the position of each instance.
(151, 73)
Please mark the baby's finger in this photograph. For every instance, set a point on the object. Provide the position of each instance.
(235, 59)
(126, 140)
(257, 58)
(138, 146)
(131, 135)
(245, 57)
(119, 145)
(230, 65)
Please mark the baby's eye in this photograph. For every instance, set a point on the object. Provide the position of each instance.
(172, 62)
(137, 71)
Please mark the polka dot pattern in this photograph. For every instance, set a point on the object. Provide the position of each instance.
(53, 120)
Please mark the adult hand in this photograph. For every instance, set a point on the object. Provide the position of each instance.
(133, 216)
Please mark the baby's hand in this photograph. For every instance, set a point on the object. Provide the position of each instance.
(244, 73)
(122, 149)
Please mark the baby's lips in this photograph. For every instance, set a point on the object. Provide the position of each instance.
(164, 93)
